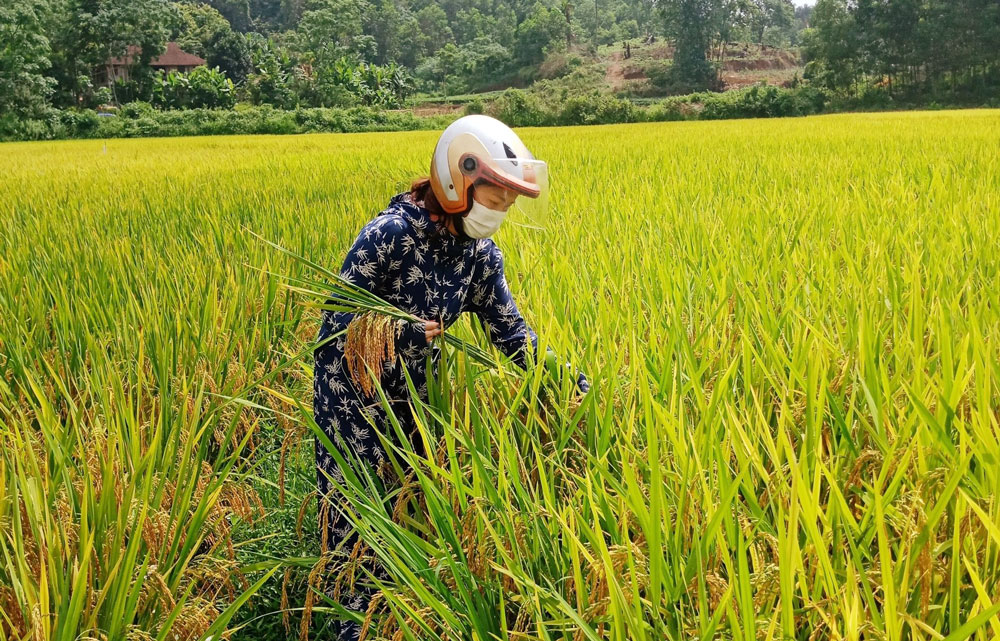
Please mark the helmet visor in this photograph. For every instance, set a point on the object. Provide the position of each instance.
(528, 179)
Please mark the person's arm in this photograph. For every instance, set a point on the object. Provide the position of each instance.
(491, 300)
(367, 265)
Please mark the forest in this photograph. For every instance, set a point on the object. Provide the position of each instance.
(391, 54)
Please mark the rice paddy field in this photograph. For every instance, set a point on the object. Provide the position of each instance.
(792, 329)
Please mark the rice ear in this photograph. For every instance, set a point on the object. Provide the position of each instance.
(371, 341)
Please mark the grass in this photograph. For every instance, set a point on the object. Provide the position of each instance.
(791, 327)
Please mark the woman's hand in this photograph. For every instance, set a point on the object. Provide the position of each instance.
(431, 329)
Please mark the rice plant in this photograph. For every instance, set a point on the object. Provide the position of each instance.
(791, 327)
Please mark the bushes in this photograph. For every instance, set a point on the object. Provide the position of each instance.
(474, 106)
(518, 108)
(14, 128)
(86, 121)
(136, 109)
(674, 108)
(763, 102)
(136, 120)
(752, 102)
(526, 109)
(596, 110)
(515, 107)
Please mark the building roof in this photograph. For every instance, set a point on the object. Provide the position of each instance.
(174, 56)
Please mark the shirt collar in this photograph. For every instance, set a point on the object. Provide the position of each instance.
(420, 219)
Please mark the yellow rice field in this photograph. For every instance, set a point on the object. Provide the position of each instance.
(792, 328)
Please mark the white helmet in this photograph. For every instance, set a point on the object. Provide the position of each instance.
(479, 148)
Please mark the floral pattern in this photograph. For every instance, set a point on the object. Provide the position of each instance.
(413, 262)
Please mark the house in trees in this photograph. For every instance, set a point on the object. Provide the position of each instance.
(173, 59)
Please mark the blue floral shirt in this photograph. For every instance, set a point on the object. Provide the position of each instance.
(416, 264)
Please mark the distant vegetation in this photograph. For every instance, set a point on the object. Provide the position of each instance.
(410, 54)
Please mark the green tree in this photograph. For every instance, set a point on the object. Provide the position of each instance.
(541, 31)
(236, 13)
(199, 24)
(485, 61)
(471, 66)
(831, 46)
(202, 87)
(435, 31)
(274, 73)
(206, 32)
(470, 24)
(85, 34)
(24, 84)
(775, 16)
(229, 51)
(270, 16)
(885, 48)
(392, 28)
(691, 24)
(334, 27)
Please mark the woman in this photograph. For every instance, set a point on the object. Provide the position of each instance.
(428, 253)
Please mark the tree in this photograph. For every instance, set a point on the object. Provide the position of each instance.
(24, 51)
(566, 6)
(206, 32)
(86, 33)
(457, 69)
(435, 31)
(199, 24)
(268, 16)
(831, 46)
(485, 61)
(391, 28)
(691, 24)
(543, 29)
(229, 51)
(777, 15)
(333, 28)
(202, 87)
(236, 12)
(273, 73)
(469, 24)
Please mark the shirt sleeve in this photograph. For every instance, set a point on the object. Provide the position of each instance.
(492, 302)
(374, 255)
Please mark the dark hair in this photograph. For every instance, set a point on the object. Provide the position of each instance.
(420, 190)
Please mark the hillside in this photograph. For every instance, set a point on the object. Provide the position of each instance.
(632, 69)
(740, 65)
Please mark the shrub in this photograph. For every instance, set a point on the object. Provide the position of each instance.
(136, 109)
(83, 122)
(517, 107)
(752, 102)
(474, 106)
(669, 109)
(595, 109)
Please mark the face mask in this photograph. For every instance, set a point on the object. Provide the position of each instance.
(482, 221)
